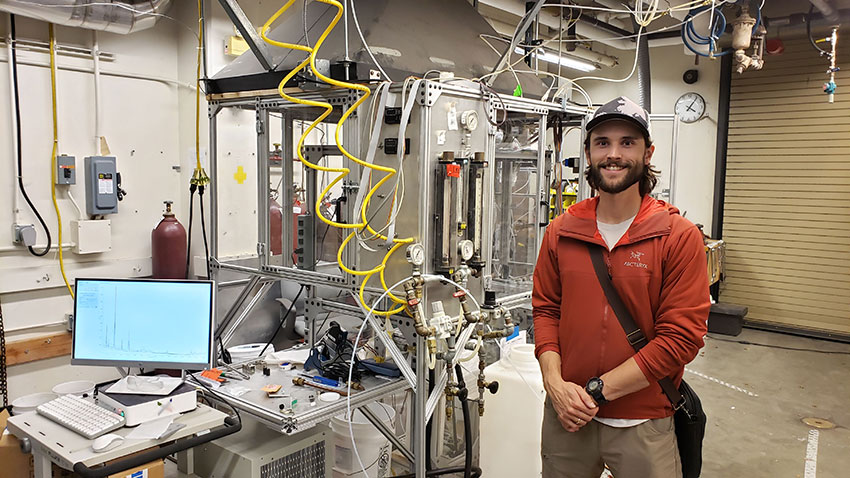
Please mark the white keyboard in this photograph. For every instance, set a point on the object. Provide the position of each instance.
(82, 416)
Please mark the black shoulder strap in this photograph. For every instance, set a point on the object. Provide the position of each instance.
(633, 333)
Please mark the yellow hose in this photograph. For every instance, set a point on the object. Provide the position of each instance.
(311, 60)
(382, 267)
(199, 177)
(53, 154)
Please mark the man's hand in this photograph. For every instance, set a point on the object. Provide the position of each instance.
(574, 406)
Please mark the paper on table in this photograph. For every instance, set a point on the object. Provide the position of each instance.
(151, 430)
(145, 385)
(293, 356)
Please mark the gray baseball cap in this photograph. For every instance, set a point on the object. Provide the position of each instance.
(621, 108)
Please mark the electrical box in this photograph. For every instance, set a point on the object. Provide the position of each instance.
(66, 169)
(91, 236)
(101, 185)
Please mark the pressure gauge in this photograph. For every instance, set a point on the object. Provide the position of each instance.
(690, 107)
(467, 249)
(415, 254)
(469, 119)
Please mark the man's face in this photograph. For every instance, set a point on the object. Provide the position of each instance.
(618, 156)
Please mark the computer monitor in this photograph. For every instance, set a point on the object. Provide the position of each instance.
(143, 323)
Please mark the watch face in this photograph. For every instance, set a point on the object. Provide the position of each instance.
(594, 385)
(690, 107)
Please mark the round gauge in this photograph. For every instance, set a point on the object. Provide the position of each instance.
(415, 254)
(469, 119)
(690, 107)
(467, 249)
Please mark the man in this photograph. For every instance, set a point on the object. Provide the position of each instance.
(656, 260)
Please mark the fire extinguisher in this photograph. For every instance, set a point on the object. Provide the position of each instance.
(168, 247)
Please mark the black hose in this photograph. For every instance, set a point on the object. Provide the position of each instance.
(18, 136)
(808, 31)
(204, 232)
(467, 427)
(192, 189)
(468, 470)
(280, 325)
(429, 431)
(476, 472)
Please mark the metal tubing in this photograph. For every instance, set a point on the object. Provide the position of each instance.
(213, 149)
(263, 220)
(245, 312)
(240, 299)
(530, 15)
(246, 28)
(288, 192)
(420, 422)
(387, 433)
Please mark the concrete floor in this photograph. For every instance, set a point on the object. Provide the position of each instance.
(756, 398)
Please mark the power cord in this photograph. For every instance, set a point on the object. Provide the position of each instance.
(780, 347)
(279, 325)
(204, 232)
(218, 396)
(4, 384)
(19, 148)
(192, 188)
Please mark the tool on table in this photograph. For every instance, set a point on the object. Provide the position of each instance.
(309, 383)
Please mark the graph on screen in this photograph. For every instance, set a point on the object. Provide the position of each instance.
(156, 322)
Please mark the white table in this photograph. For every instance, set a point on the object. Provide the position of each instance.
(53, 443)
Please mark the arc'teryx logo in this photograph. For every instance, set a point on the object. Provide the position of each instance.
(636, 262)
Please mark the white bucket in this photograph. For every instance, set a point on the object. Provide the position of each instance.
(28, 403)
(372, 446)
(242, 353)
(77, 387)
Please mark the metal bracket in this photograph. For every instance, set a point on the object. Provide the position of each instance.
(429, 91)
(255, 42)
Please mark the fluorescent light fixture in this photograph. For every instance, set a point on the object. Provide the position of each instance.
(566, 61)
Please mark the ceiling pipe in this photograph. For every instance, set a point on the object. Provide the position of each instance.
(116, 16)
(827, 10)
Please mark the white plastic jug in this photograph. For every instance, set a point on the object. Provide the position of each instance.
(510, 427)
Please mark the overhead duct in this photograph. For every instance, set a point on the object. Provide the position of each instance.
(445, 37)
(116, 16)
(828, 12)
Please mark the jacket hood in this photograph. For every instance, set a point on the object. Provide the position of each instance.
(653, 219)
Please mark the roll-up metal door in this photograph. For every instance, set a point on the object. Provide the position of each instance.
(786, 216)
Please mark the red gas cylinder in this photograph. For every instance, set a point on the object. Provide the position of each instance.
(276, 229)
(168, 247)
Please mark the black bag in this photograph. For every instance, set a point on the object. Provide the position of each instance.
(689, 417)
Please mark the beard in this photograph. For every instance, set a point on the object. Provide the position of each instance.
(634, 173)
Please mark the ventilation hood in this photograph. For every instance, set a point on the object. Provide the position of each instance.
(407, 37)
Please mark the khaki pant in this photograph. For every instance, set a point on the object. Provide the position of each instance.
(648, 450)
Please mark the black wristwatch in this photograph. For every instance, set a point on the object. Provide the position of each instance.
(594, 389)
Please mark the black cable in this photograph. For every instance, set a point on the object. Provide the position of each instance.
(780, 347)
(20, 147)
(204, 232)
(4, 384)
(280, 325)
(809, 32)
(218, 396)
(467, 427)
(192, 189)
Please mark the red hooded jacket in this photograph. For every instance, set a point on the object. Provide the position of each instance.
(659, 269)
